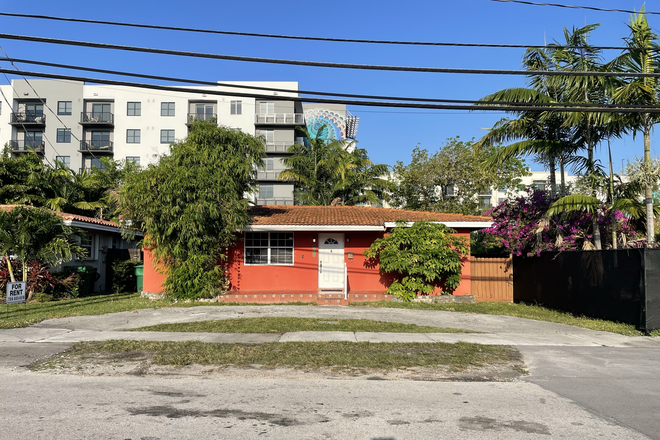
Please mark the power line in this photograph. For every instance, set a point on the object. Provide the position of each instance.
(321, 64)
(499, 108)
(306, 92)
(288, 37)
(592, 8)
(43, 102)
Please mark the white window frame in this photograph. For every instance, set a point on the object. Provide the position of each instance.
(268, 106)
(269, 248)
(236, 108)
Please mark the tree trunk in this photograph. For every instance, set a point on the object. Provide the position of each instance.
(553, 178)
(648, 192)
(562, 177)
(611, 190)
(11, 270)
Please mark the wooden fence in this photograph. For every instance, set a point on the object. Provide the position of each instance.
(492, 279)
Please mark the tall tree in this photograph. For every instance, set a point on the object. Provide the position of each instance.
(190, 205)
(324, 171)
(641, 56)
(451, 179)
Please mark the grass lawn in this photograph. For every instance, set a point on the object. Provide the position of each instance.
(283, 325)
(303, 355)
(521, 311)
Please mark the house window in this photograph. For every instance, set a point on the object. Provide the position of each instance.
(133, 159)
(66, 160)
(538, 185)
(484, 202)
(63, 107)
(265, 191)
(274, 248)
(63, 136)
(87, 242)
(266, 108)
(166, 136)
(236, 108)
(134, 109)
(132, 136)
(167, 109)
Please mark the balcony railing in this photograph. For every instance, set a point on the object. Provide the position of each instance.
(208, 117)
(275, 201)
(96, 146)
(280, 146)
(28, 118)
(280, 118)
(97, 118)
(24, 146)
(268, 175)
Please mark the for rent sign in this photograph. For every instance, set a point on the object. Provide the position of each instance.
(15, 292)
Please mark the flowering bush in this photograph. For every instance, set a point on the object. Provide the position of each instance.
(521, 226)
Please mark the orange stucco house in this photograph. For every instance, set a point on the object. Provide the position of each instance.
(314, 253)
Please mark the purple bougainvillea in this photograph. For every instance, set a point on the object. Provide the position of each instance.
(519, 225)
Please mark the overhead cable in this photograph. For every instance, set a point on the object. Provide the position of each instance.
(591, 8)
(321, 64)
(281, 90)
(508, 108)
(288, 37)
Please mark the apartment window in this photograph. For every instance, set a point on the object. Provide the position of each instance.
(134, 109)
(268, 134)
(265, 191)
(166, 136)
(484, 202)
(538, 185)
(132, 136)
(167, 109)
(63, 136)
(63, 107)
(133, 159)
(269, 248)
(236, 108)
(34, 139)
(268, 163)
(0, 107)
(66, 160)
(96, 163)
(266, 108)
(501, 199)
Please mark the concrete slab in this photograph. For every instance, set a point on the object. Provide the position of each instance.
(241, 338)
(318, 337)
(474, 338)
(392, 337)
(30, 334)
(554, 339)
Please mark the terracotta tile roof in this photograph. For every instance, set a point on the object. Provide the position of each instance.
(347, 216)
(73, 217)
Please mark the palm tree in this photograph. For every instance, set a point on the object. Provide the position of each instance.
(641, 57)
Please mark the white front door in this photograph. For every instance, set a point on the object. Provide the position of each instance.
(331, 261)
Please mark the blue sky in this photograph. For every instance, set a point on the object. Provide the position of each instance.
(389, 135)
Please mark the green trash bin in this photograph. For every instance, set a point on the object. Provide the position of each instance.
(87, 276)
(139, 272)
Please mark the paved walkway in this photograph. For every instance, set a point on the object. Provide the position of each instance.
(493, 329)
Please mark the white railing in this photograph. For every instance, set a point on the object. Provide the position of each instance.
(280, 118)
(280, 146)
(268, 175)
(345, 282)
(274, 201)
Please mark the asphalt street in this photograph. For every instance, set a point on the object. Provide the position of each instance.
(582, 384)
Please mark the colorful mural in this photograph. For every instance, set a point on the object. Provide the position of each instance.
(329, 124)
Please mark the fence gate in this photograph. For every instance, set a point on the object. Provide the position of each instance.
(492, 279)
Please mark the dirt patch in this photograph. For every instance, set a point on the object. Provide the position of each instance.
(126, 364)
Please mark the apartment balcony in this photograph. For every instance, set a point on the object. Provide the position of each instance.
(268, 175)
(24, 146)
(96, 147)
(280, 146)
(280, 119)
(207, 117)
(275, 201)
(28, 119)
(97, 119)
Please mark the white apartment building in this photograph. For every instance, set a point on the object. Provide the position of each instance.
(536, 180)
(78, 123)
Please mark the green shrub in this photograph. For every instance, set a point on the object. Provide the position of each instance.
(421, 257)
(123, 277)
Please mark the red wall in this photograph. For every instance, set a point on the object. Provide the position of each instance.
(303, 275)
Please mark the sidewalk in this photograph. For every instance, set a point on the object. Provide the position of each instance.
(494, 329)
